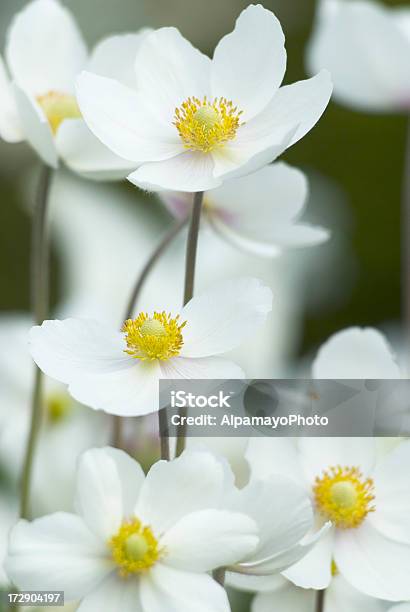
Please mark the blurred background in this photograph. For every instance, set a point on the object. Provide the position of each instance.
(354, 161)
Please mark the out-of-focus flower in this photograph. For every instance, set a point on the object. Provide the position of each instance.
(68, 429)
(137, 544)
(367, 498)
(118, 372)
(284, 516)
(258, 213)
(405, 607)
(356, 353)
(365, 45)
(44, 54)
(278, 593)
(8, 516)
(196, 122)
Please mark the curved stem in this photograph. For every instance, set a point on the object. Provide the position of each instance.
(320, 600)
(405, 240)
(168, 237)
(40, 270)
(190, 264)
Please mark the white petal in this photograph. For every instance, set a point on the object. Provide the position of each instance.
(224, 317)
(173, 489)
(365, 50)
(57, 552)
(372, 563)
(118, 117)
(287, 599)
(205, 367)
(113, 594)
(319, 454)
(108, 483)
(300, 104)
(169, 70)
(356, 353)
(341, 596)
(10, 126)
(267, 456)
(249, 64)
(63, 349)
(314, 570)
(178, 203)
(86, 155)
(36, 128)
(132, 391)
(190, 171)
(205, 540)
(114, 57)
(392, 486)
(256, 584)
(45, 50)
(282, 511)
(400, 608)
(165, 588)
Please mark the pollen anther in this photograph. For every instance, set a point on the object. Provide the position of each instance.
(153, 337)
(57, 107)
(134, 548)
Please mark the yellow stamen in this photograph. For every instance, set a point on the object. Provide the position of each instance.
(58, 406)
(156, 337)
(134, 548)
(57, 107)
(344, 496)
(204, 125)
(334, 569)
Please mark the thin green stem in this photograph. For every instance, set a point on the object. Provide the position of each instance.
(320, 600)
(405, 240)
(40, 271)
(190, 265)
(169, 236)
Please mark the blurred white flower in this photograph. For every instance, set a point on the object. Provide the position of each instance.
(258, 213)
(284, 516)
(8, 517)
(44, 54)
(195, 122)
(137, 544)
(118, 372)
(365, 46)
(366, 497)
(278, 593)
(68, 429)
(405, 607)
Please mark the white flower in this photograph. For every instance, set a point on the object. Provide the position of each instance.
(280, 594)
(44, 54)
(137, 544)
(258, 213)
(284, 516)
(356, 353)
(195, 122)
(119, 371)
(366, 497)
(365, 45)
(405, 607)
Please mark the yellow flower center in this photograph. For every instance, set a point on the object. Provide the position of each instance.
(156, 337)
(134, 548)
(57, 107)
(57, 407)
(344, 496)
(204, 125)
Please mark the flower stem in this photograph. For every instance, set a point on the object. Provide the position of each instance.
(405, 239)
(190, 265)
(40, 269)
(219, 575)
(320, 600)
(168, 237)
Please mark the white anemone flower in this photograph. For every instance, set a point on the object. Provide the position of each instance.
(118, 372)
(277, 593)
(258, 213)
(405, 607)
(365, 45)
(195, 122)
(366, 497)
(136, 544)
(44, 54)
